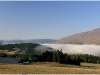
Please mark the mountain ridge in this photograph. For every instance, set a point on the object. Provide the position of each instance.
(2, 42)
(89, 37)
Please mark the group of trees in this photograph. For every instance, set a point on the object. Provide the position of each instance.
(60, 57)
(56, 56)
(88, 58)
(22, 46)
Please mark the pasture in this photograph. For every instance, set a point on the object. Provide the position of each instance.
(49, 68)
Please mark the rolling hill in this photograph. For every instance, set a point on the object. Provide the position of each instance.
(24, 48)
(89, 37)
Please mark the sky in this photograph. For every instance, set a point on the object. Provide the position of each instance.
(47, 19)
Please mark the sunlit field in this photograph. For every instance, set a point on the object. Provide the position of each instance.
(49, 68)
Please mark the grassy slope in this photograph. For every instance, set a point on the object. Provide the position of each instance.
(49, 68)
(22, 48)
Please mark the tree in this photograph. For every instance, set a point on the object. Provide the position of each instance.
(59, 56)
(55, 57)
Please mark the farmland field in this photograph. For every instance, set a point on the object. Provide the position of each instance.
(49, 68)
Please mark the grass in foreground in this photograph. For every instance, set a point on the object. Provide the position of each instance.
(49, 68)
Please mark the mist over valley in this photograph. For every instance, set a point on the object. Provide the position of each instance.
(76, 49)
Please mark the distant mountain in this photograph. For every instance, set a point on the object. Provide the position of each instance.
(89, 37)
(26, 41)
(39, 41)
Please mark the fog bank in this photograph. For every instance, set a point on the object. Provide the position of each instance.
(81, 49)
(42, 48)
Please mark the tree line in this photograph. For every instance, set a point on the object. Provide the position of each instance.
(55, 56)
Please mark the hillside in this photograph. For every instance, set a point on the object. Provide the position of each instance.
(23, 48)
(89, 37)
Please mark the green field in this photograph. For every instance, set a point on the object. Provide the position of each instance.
(49, 68)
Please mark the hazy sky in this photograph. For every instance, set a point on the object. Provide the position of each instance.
(55, 20)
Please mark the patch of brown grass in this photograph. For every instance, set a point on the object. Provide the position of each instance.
(47, 68)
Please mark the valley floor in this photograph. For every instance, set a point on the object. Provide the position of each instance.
(49, 68)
